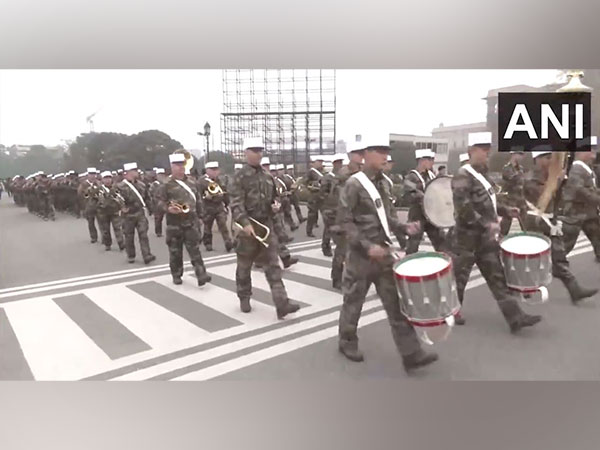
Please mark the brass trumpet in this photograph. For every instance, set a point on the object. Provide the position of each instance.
(258, 227)
(185, 208)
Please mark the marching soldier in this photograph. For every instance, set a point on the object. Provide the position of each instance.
(216, 202)
(414, 191)
(387, 175)
(153, 191)
(312, 182)
(513, 180)
(477, 231)
(580, 202)
(293, 187)
(253, 198)
(286, 195)
(331, 198)
(180, 198)
(366, 196)
(109, 212)
(88, 196)
(44, 197)
(133, 213)
(236, 168)
(540, 222)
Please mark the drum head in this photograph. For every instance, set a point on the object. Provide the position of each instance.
(438, 205)
(422, 264)
(525, 243)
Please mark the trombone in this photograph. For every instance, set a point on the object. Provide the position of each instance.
(257, 227)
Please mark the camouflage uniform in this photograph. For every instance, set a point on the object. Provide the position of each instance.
(473, 210)
(182, 229)
(215, 209)
(90, 206)
(363, 229)
(533, 188)
(109, 213)
(330, 193)
(134, 218)
(285, 194)
(252, 196)
(294, 200)
(580, 202)
(44, 195)
(156, 211)
(393, 206)
(513, 180)
(414, 190)
(312, 181)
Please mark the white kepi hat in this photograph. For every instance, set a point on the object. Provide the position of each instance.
(238, 166)
(536, 154)
(91, 170)
(272, 166)
(175, 158)
(130, 166)
(354, 146)
(481, 138)
(463, 157)
(212, 165)
(280, 167)
(106, 173)
(265, 160)
(254, 142)
(289, 166)
(159, 170)
(424, 153)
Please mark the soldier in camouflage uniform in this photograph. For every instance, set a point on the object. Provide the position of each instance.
(476, 234)
(331, 200)
(293, 187)
(253, 196)
(312, 181)
(533, 188)
(394, 198)
(580, 203)
(279, 226)
(153, 191)
(414, 191)
(182, 227)
(513, 179)
(369, 260)
(44, 197)
(133, 213)
(88, 194)
(109, 213)
(286, 195)
(215, 207)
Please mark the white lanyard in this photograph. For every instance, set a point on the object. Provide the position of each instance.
(282, 183)
(186, 187)
(388, 179)
(316, 171)
(374, 194)
(420, 177)
(136, 192)
(587, 168)
(290, 177)
(484, 182)
(105, 189)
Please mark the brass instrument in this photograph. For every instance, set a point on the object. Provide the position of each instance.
(189, 159)
(258, 227)
(213, 189)
(185, 208)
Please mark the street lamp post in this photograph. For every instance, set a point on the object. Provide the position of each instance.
(207, 135)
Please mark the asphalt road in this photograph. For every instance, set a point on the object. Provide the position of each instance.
(69, 310)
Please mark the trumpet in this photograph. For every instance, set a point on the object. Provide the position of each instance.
(258, 227)
(185, 208)
(213, 189)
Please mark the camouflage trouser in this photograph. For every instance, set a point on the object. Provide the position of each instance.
(506, 223)
(131, 223)
(437, 237)
(286, 208)
(178, 236)
(249, 251)
(472, 248)
(313, 213)
(47, 208)
(359, 273)
(209, 217)
(90, 215)
(328, 221)
(279, 230)
(158, 222)
(295, 202)
(590, 227)
(104, 222)
(339, 256)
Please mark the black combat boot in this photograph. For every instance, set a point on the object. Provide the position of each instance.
(417, 359)
(203, 277)
(337, 284)
(578, 293)
(327, 251)
(351, 351)
(177, 280)
(524, 320)
(149, 259)
(131, 260)
(289, 308)
(245, 305)
(459, 319)
(290, 261)
(228, 246)
(209, 248)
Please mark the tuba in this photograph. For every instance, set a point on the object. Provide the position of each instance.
(261, 231)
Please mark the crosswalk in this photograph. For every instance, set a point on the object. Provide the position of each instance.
(150, 328)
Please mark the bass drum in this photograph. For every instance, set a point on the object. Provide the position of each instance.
(438, 205)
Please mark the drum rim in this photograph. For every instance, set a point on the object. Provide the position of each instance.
(526, 233)
(419, 278)
(427, 216)
(433, 322)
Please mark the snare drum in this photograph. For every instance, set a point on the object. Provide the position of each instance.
(527, 262)
(428, 297)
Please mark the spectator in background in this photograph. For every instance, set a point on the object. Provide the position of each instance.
(441, 171)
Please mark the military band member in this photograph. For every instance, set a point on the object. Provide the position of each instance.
(294, 186)
(236, 169)
(581, 202)
(253, 196)
(477, 229)
(540, 222)
(312, 181)
(414, 191)
(330, 193)
(133, 213)
(214, 206)
(513, 180)
(88, 197)
(153, 191)
(286, 195)
(109, 212)
(388, 176)
(282, 235)
(365, 214)
(180, 199)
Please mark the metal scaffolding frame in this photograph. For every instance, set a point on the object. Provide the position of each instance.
(293, 109)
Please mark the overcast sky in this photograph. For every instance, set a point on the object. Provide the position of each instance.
(48, 106)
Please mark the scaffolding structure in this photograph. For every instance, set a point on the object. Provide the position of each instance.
(294, 110)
